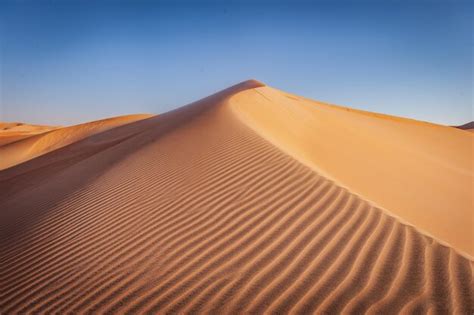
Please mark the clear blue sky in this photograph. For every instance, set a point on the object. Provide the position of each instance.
(65, 62)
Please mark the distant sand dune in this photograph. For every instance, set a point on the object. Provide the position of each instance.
(44, 140)
(194, 211)
(11, 132)
(468, 126)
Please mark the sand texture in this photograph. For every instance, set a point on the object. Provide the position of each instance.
(421, 172)
(218, 208)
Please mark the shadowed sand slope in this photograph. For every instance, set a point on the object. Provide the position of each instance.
(468, 126)
(14, 131)
(193, 211)
(41, 140)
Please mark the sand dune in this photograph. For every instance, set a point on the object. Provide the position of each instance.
(43, 140)
(468, 126)
(209, 209)
(420, 172)
(14, 131)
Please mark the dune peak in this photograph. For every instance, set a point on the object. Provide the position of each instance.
(248, 85)
(256, 82)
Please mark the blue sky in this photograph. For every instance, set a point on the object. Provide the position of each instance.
(66, 62)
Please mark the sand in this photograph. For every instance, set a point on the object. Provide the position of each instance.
(467, 126)
(14, 131)
(213, 209)
(420, 172)
(41, 140)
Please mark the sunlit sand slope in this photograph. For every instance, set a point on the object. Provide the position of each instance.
(193, 212)
(36, 145)
(420, 172)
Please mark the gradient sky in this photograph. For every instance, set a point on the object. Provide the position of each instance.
(65, 62)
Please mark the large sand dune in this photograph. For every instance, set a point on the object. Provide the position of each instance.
(217, 208)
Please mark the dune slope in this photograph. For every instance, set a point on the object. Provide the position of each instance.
(420, 172)
(467, 126)
(194, 211)
(48, 140)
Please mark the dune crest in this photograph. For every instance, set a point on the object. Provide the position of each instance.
(195, 211)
